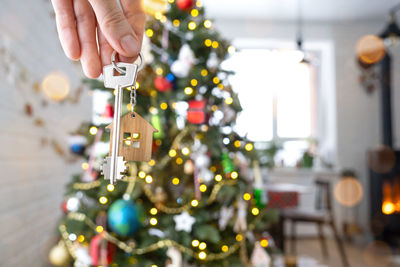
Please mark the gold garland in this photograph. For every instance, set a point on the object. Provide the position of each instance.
(161, 206)
(140, 251)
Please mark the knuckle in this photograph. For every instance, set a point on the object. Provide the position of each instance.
(112, 19)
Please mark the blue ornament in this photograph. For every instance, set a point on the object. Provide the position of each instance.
(77, 144)
(123, 217)
(170, 77)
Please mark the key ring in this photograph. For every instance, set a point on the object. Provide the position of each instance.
(121, 71)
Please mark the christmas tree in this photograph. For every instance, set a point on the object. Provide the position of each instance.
(194, 202)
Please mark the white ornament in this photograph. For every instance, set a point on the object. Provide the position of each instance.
(225, 215)
(186, 59)
(206, 175)
(146, 50)
(241, 223)
(73, 204)
(83, 258)
(213, 61)
(259, 257)
(176, 257)
(184, 222)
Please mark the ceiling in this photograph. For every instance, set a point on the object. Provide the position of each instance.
(313, 10)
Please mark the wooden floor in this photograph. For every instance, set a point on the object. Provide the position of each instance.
(369, 255)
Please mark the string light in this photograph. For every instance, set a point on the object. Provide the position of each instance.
(215, 44)
(229, 100)
(203, 188)
(153, 211)
(149, 32)
(171, 1)
(202, 246)
(192, 25)
(213, 168)
(142, 174)
(216, 80)
(175, 181)
(237, 143)
(153, 221)
(185, 151)
(234, 175)
(172, 153)
(164, 106)
(214, 108)
(153, 93)
(159, 71)
(153, 110)
(239, 237)
(199, 3)
(99, 228)
(188, 90)
(176, 22)
(208, 42)
(110, 187)
(194, 203)
(85, 166)
(264, 242)
(207, 23)
(81, 238)
(158, 15)
(174, 105)
(149, 179)
(231, 49)
(220, 86)
(224, 248)
(103, 200)
(163, 19)
(246, 196)
(154, 265)
(93, 130)
(152, 162)
(248, 146)
(255, 211)
(193, 82)
(194, 13)
(195, 243)
(72, 237)
(202, 255)
(137, 85)
(129, 106)
(218, 177)
(204, 72)
(179, 160)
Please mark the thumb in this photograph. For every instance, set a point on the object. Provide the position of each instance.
(116, 28)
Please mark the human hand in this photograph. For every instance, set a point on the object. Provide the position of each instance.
(119, 30)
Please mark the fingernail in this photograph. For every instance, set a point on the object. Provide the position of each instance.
(129, 45)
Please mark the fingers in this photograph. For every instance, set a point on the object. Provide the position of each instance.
(86, 24)
(136, 17)
(105, 49)
(115, 27)
(66, 27)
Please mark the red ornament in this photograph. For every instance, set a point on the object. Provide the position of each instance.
(196, 112)
(185, 5)
(64, 206)
(162, 84)
(100, 252)
(108, 111)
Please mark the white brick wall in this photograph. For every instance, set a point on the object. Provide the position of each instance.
(33, 176)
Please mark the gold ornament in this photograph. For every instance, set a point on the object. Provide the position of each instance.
(153, 7)
(59, 255)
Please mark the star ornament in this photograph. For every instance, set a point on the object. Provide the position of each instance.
(184, 222)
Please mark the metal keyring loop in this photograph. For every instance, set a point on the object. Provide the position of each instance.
(121, 71)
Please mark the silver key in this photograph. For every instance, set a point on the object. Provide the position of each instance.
(114, 166)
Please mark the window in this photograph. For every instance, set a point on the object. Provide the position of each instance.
(131, 140)
(277, 95)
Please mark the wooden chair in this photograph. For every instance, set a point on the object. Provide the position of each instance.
(323, 215)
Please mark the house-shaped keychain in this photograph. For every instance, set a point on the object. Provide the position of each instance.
(136, 138)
